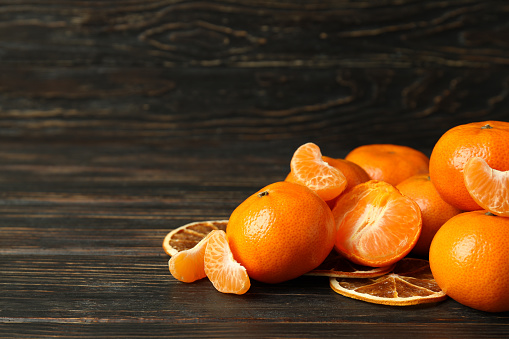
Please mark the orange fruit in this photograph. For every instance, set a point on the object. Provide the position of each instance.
(488, 140)
(188, 265)
(187, 236)
(390, 163)
(353, 173)
(309, 169)
(281, 232)
(468, 258)
(488, 187)
(225, 273)
(376, 224)
(410, 283)
(434, 210)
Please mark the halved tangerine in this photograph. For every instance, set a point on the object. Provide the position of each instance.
(410, 283)
(187, 236)
(309, 169)
(225, 273)
(376, 224)
(487, 186)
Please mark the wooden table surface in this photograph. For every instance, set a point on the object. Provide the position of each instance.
(121, 120)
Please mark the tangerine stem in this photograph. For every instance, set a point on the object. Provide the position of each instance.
(487, 126)
(262, 194)
(490, 214)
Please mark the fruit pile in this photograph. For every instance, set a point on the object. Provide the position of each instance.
(370, 222)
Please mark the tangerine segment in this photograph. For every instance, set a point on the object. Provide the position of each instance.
(188, 265)
(410, 283)
(309, 169)
(487, 186)
(336, 265)
(376, 224)
(225, 273)
(187, 236)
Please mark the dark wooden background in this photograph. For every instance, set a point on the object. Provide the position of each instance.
(120, 120)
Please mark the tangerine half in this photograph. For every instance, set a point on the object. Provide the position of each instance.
(376, 224)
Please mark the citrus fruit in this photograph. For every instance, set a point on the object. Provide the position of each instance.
(488, 187)
(225, 273)
(410, 283)
(468, 258)
(188, 265)
(390, 163)
(187, 236)
(353, 173)
(309, 169)
(336, 265)
(434, 210)
(281, 232)
(488, 140)
(376, 224)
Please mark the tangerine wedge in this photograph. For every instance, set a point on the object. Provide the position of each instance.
(225, 273)
(376, 224)
(410, 283)
(309, 169)
(487, 186)
(188, 265)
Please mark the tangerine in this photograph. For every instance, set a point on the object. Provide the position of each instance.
(390, 163)
(468, 258)
(488, 140)
(281, 232)
(434, 210)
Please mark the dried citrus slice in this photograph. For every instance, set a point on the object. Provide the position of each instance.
(188, 265)
(487, 186)
(309, 169)
(187, 236)
(225, 273)
(336, 265)
(376, 225)
(410, 283)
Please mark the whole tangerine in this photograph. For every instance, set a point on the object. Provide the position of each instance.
(281, 232)
(488, 140)
(434, 210)
(468, 259)
(389, 163)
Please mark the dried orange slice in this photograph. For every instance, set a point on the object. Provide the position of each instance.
(225, 273)
(187, 236)
(336, 265)
(410, 283)
(309, 169)
(487, 186)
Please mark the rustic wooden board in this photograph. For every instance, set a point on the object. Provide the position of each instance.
(120, 120)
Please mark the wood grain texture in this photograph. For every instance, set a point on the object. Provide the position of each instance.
(337, 71)
(81, 228)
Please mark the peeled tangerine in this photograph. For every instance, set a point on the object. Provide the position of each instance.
(376, 225)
